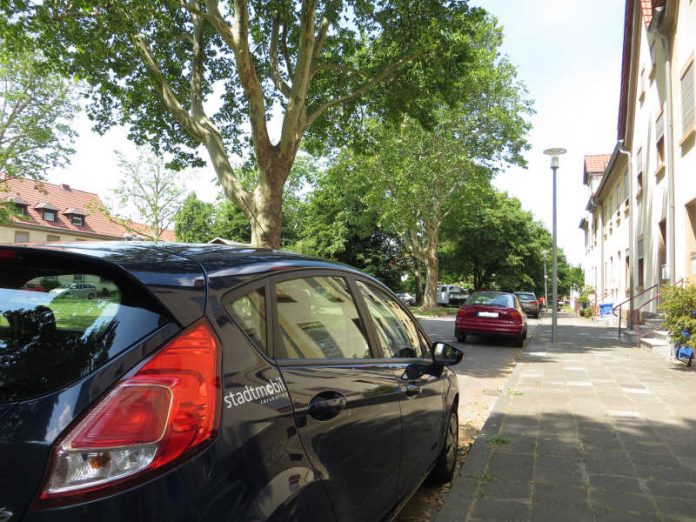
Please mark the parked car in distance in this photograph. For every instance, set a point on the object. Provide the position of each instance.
(33, 287)
(406, 298)
(451, 295)
(217, 383)
(491, 313)
(76, 290)
(529, 302)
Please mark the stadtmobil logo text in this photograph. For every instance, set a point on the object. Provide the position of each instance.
(270, 392)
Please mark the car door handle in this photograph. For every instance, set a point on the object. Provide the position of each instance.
(326, 405)
(413, 390)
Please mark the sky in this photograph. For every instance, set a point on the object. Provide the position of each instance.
(568, 55)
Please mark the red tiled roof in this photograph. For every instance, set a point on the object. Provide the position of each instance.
(596, 163)
(63, 197)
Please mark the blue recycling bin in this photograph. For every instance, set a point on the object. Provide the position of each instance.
(605, 309)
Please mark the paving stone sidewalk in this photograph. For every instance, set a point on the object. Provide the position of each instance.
(590, 428)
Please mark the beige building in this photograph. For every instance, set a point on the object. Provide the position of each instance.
(641, 218)
(49, 212)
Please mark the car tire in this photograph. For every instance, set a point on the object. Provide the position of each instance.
(519, 340)
(461, 338)
(446, 462)
(91, 296)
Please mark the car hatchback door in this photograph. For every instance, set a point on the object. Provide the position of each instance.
(346, 403)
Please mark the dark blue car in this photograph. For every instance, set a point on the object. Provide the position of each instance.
(207, 382)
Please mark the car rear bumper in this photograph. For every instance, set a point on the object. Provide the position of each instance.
(481, 327)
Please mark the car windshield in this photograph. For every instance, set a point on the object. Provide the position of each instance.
(491, 299)
(526, 296)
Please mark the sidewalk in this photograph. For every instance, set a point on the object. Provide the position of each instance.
(587, 429)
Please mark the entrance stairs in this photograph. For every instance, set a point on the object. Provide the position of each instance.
(653, 335)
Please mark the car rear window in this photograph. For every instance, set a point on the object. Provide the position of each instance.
(491, 299)
(526, 296)
(62, 317)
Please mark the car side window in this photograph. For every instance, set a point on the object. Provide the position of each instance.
(249, 311)
(318, 319)
(397, 333)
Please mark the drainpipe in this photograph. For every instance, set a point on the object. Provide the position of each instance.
(669, 141)
(631, 247)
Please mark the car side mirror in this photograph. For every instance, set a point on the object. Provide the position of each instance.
(446, 354)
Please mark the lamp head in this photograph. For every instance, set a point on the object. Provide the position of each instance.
(554, 153)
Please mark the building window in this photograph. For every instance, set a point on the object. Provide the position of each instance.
(687, 98)
(49, 215)
(21, 210)
(643, 83)
(626, 186)
(21, 237)
(76, 220)
(50, 237)
(660, 145)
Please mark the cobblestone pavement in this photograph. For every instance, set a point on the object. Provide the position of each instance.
(590, 429)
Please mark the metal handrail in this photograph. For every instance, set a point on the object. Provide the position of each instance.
(636, 313)
(620, 305)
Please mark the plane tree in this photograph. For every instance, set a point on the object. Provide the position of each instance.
(193, 76)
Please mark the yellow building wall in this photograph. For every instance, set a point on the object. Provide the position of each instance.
(7, 235)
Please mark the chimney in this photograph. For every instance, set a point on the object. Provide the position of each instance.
(65, 186)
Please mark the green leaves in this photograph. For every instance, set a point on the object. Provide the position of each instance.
(36, 111)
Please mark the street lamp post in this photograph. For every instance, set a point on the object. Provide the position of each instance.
(546, 288)
(554, 153)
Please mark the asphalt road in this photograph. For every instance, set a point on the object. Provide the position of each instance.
(482, 375)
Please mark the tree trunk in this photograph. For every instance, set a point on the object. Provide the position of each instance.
(267, 213)
(431, 275)
(418, 281)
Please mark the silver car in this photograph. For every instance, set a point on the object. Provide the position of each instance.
(76, 291)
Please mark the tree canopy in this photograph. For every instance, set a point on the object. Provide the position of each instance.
(202, 73)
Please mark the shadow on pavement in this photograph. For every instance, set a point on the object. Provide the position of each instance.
(560, 466)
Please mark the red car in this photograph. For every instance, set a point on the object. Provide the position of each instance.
(491, 313)
(33, 287)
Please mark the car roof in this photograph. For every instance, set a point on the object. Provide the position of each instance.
(184, 266)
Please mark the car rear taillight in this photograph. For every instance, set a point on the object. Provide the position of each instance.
(167, 409)
(8, 255)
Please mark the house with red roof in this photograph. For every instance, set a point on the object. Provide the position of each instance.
(51, 212)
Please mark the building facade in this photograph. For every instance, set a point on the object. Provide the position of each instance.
(641, 218)
(47, 212)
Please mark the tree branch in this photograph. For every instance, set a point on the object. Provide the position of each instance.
(278, 81)
(335, 67)
(365, 87)
(286, 52)
(295, 114)
(164, 90)
(197, 66)
(319, 43)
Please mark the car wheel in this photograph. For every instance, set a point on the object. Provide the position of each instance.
(90, 296)
(447, 460)
(460, 337)
(519, 341)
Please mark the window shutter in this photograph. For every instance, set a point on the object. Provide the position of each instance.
(660, 126)
(687, 97)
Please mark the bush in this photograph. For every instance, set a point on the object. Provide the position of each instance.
(677, 303)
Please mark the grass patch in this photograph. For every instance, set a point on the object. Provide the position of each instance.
(75, 314)
(498, 440)
(513, 393)
(434, 312)
(481, 481)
